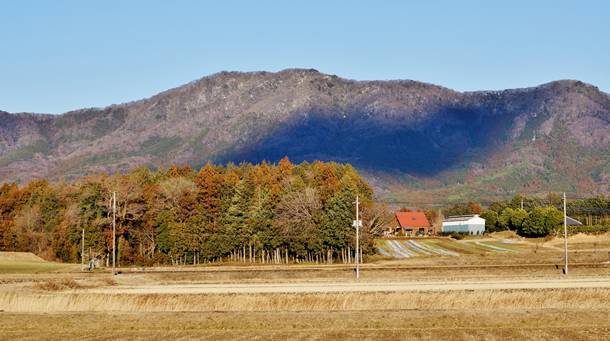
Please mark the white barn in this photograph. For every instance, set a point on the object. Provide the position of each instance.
(471, 224)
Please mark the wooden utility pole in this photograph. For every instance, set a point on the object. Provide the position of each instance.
(565, 231)
(114, 234)
(357, 224)
(82, 254)
(357, 239)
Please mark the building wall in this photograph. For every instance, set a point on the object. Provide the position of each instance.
(475, 226)
(453, 227)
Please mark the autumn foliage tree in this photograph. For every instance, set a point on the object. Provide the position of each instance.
(265, 212)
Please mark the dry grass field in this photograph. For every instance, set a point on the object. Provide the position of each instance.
(470, 297)
(572, 324)
(19, 267)
(25, 262)
(20, 256)
(40, 300)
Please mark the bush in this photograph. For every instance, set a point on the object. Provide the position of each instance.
(453, 234)
(587, 229)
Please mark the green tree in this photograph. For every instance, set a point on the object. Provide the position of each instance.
(496, 206)
(517, 219)
(511, 219)
(337, 230)
(163, 228)
(140, 176)
(542, 221)
(504, 218)
(92, 217)
(457, 209)
(528, 202)
(491, 220)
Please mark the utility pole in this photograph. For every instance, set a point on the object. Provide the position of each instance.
(357, 226)
(565, 231)
(114, 234)
(82, 254)
(522, 204)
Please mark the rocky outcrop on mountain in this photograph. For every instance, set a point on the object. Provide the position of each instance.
(421, 135)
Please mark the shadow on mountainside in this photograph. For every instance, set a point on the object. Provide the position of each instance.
(426, 148)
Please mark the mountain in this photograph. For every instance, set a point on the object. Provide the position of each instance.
(415, 142)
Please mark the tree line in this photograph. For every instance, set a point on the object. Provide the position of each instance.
(265, 213)
(530, 216)
(535, 216)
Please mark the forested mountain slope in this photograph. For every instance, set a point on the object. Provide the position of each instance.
(412, 140)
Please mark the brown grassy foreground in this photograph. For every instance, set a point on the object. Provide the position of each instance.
(60, 305)
(31, 301)
(565, 324)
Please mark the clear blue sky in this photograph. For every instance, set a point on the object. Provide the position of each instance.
(57, 56)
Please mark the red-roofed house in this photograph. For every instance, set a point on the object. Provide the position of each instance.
(410, 223)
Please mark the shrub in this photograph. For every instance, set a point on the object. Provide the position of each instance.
(70, 283)
(587, 229)
(453, 234)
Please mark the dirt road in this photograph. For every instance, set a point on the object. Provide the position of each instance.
(369, 286)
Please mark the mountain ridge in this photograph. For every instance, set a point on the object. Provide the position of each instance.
(407, 135)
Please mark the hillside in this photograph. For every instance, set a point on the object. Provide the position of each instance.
(414, 141)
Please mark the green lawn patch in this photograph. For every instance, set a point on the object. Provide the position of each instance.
(380, 243)
(10, 267)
